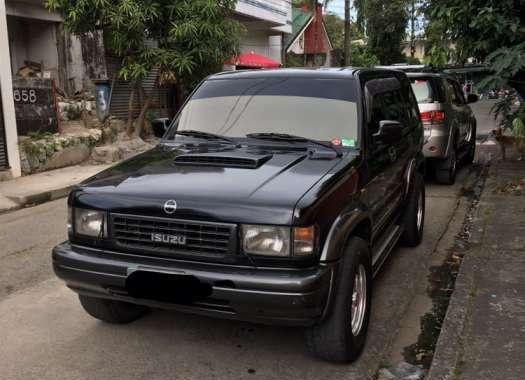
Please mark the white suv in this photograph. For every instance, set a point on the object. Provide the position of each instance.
(450, 125)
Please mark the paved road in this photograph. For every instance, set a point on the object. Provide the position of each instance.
(46, 335)
(485, 121)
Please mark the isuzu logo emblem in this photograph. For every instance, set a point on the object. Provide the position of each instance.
(168, 239)
(170, 207)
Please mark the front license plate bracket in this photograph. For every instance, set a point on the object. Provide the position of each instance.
(166, 287)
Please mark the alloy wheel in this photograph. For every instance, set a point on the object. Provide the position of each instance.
(359, 300)
(419, 220)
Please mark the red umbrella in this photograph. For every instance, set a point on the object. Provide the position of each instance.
(256, 61)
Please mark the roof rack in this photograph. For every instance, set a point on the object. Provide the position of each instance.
(408, 68)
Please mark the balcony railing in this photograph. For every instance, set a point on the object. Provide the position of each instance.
(275, 12)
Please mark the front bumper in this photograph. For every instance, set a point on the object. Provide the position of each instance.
(263, 295)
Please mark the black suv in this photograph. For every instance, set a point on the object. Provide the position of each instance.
(273, 197)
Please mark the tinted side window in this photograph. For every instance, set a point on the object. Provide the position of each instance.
(441, 87)
(412, 106)
(459, 93)
(455, 94)
(387, 106)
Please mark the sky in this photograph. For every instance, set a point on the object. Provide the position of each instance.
(337, 6)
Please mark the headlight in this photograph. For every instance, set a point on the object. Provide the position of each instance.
(90, 222)
(266, 240)
(278, 241)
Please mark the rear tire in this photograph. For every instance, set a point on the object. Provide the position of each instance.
(414, 217)
(341, 336)
(446, 170)
(110, 311)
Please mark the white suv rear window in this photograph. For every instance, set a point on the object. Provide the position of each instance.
(423, 90)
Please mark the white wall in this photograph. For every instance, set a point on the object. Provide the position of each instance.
(277, 13)
(8, 105)
(260, 42)
(275, 48)
(298, 46)
(256, 41)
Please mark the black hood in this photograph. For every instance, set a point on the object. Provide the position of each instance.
(210, 182)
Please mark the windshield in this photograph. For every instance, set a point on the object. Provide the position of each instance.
(319, 109)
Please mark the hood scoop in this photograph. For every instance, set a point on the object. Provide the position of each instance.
(223, 160)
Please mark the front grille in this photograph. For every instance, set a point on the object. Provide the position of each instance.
(162, 236)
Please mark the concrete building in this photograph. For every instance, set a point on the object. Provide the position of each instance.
(37, 37)
(266, 21)
(9, 157)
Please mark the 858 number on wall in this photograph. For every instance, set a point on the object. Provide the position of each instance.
(25, 96)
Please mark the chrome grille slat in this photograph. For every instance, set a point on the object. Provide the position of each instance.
(158, 228)
(132, 236)
(202, 238)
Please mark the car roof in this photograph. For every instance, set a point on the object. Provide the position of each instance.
(429, 75)
(318, 73)
(404, 67)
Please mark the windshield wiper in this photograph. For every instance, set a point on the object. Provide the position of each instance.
(292, 138)
(205, 135)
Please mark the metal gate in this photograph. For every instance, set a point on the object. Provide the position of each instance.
(3, 149)
(163, 98)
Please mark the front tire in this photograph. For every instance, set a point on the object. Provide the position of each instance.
(342, 335)
(414, 217)
(110, 311)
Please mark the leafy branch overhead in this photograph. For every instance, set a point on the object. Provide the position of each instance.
(490, 31)
(185, 39)
(477, 27)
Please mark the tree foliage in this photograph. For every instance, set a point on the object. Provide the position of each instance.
(477, 27)
(361, 55)
(490, 31)
(185, 39)
(335, 27)
(385, 26)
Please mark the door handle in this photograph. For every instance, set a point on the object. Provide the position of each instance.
(392, 153)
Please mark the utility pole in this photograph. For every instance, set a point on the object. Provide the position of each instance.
(348, 37)
(413, 29)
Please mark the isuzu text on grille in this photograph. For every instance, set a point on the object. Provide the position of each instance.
(168, 239)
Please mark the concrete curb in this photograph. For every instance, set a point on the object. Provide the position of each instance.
(35, 199)
(42, 197)
(43, 187)
(7, 205)
(448, 354)
(449, 348)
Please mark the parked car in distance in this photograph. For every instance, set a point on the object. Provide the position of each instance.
(449, 123)
(274, 197)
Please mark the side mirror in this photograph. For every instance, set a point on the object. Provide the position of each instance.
(390, 131)
(160, 126)
(472, 98)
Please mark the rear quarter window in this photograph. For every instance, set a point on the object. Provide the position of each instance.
(426, 90)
